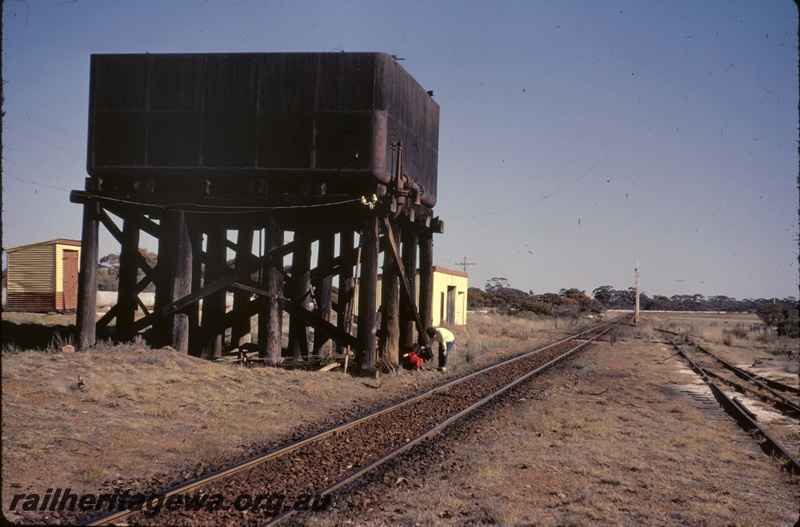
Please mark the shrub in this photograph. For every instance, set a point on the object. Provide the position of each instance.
(789, 328)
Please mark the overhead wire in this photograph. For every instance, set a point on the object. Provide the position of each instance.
(234, 209)
(11, 178)
(510, 209)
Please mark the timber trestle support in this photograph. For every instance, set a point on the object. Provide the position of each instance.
(274, 188)
(227, 271)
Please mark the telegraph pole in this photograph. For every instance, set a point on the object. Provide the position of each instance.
(465, 263)
(636, 309)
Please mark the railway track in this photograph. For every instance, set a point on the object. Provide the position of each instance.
(744, 395)
(303, 475)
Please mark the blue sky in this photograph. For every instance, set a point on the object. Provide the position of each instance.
(576, 137)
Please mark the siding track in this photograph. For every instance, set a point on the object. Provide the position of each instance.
(724, 379)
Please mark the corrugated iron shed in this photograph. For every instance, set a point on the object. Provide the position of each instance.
(43, 276)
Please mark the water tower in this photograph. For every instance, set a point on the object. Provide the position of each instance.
(285, 179)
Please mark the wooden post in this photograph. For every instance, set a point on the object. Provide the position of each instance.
(368, 294)
(196, 339)
(636, 307)
(390, 295)
(174, 279)
(409, 255)
(128, 270)
(214, 304)
(346, 286)
(87, 283)
(163, 280)
(240, 331)
(300, 287)
(426, 277)
(270, 317)
(323, 290)
(181, 282)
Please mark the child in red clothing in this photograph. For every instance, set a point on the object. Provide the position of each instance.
(412, 359)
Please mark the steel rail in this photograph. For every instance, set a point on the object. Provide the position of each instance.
(741, 415)
(667, 331)
(767, 384)
(442, 425)
(780, 402)
(785, 406)
(286, 449)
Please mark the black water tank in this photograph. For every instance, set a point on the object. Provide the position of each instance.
(289, 118)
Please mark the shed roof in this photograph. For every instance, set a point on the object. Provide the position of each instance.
(453, 272)
(56, 241)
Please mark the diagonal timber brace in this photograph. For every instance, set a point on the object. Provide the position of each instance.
(312, 318)
(234, 276)
(405, 289)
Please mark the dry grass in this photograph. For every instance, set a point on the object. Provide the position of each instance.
(610, 440)
(124, 413)
(147, 418)
(739, 338)
(735, 328)
(634, 455)
(40, 319)
(48, 332)
(493, 325)
(129, 414)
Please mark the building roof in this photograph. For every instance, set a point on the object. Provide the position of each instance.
(57, 241)
(444, 270)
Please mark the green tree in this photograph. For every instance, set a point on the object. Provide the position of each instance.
(604, 294)
(496, 284)
(108, 270)
(771, 313)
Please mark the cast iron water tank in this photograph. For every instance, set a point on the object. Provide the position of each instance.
(184, 122)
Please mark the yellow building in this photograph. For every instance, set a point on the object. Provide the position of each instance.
(449, 297)
(43, 276)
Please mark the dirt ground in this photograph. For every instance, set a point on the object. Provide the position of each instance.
(132, 418)
(620, 435)
(610, 438)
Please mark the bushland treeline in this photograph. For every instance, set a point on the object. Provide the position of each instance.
(782, 313)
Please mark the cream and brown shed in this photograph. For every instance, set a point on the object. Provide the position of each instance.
(43, 276)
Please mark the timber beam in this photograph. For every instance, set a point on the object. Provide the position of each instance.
(404, 286)
(273, 257)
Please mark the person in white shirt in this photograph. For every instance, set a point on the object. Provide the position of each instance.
(445, 338)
